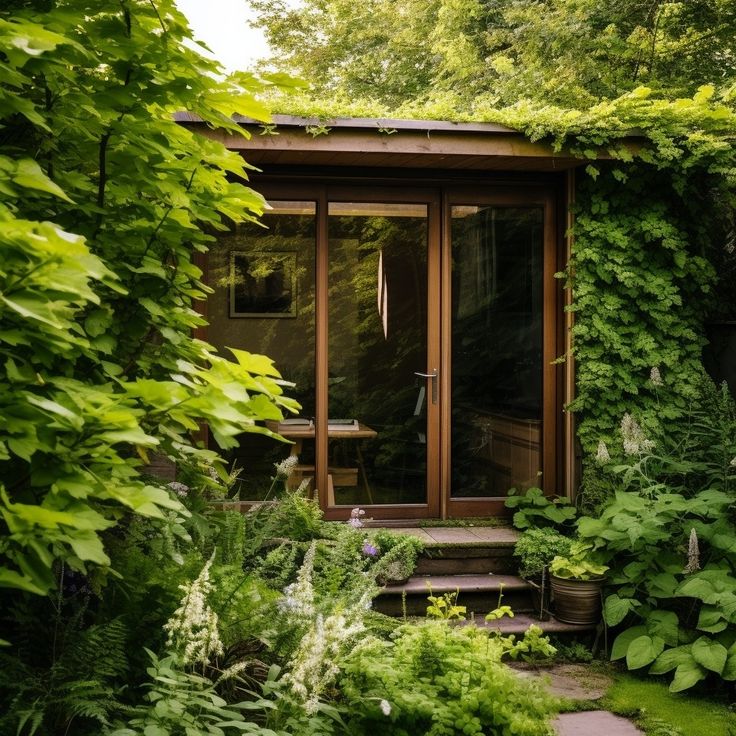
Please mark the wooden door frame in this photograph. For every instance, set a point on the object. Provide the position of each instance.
(322, 194)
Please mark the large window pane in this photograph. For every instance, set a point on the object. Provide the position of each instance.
(377, 340)
(496, 349)
(264, 282)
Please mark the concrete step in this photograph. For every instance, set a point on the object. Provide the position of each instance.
(467, 560)
(478, 593)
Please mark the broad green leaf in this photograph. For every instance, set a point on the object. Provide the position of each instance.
(664, 624)
(615, 609)
(671, 658)
(643, 651)
(711, 619)
(12, 579)
(687, 675)
(709, 653)
(729, 669)
(30, 175)
(88, 547)
(624, 639)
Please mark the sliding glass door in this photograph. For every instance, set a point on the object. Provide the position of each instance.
(419, 329)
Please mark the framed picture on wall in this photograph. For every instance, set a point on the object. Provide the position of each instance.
(263, 284)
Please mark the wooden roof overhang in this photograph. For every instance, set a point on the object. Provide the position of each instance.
(388, 144)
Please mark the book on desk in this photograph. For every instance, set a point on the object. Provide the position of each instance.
(298, 424)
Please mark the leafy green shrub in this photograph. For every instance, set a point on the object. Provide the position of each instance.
(578, 564)
(444, 607)
(180, 703)
(98, 281)
(434, 679)
(534, 509)
(668, 538)
(395, 557)
(536, 548)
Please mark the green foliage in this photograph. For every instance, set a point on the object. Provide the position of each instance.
(569, 52)
(457, 685)
(444, 607)
(668, 537)
(396, 557)
(58, 672)
(535, 510)
(578, 564)
(106, 200)
(659, 712)
(536, 548)
(641, 285)
(179, 702)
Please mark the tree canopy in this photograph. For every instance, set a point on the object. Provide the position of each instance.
(564, 52)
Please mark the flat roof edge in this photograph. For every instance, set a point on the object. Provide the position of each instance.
(383, 124)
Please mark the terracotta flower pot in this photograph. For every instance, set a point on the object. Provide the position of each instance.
(577, 601)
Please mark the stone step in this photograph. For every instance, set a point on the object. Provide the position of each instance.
(467, 560)
(464, 550)
(522, 621)
(478, 593)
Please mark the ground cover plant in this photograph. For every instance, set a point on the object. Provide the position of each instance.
(217, 635)
(660, 713)
(669, 533)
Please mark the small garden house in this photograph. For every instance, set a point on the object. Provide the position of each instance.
(405, 283)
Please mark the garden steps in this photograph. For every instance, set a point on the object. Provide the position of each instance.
(522, 621)
(476, 561)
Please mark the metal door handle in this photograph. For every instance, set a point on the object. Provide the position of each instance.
(433, 376)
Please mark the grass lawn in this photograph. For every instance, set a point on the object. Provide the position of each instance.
(659, 712)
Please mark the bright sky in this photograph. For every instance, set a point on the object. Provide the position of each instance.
(224, 25)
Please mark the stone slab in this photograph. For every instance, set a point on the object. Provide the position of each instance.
(569, 681)
(497, 534)
(451, 535)
(594, 723)
(409, 531)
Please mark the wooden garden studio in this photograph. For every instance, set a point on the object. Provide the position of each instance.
(405, 282)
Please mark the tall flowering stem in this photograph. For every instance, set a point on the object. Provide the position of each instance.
(192, 629)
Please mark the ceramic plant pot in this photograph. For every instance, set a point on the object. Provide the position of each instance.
(577, 601)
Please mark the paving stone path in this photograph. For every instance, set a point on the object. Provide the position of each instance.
(578, 682)
(594, 723)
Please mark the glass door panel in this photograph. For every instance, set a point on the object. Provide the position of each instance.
(264, 302)
(497, 349)
(377, 326)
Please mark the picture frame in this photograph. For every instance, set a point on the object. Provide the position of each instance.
(263, 284)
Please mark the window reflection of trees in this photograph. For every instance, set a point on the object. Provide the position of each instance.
(372, 366)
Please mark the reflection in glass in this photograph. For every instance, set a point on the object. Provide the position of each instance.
(377, 340)
(263, 302)
(496, 349)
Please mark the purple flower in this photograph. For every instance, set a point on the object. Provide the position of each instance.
(369, 550)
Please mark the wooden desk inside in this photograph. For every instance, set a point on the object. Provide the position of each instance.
(299, 434)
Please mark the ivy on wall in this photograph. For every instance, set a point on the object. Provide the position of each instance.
(642, 283)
